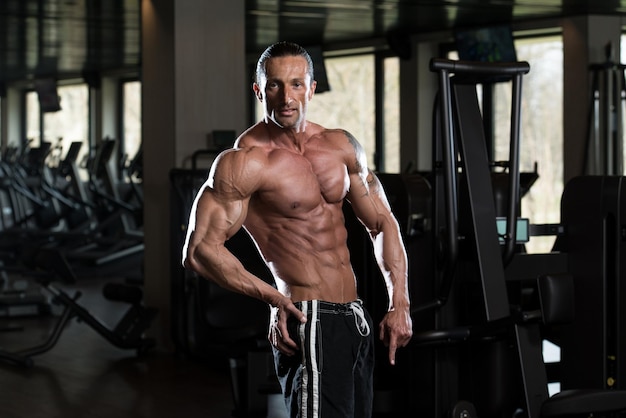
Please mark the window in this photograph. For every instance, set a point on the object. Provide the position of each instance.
(33, 127)
(622, 109)
(350, 102)
(391, 116)
(131, 118)
(541, 133)
(63, 127)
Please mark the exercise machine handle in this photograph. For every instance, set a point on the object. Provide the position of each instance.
(479, 68)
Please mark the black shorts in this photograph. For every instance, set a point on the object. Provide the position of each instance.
(332, 374)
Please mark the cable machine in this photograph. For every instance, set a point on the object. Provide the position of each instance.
(605, 142)
(493, 304)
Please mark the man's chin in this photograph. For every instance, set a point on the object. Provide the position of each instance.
(286, 123)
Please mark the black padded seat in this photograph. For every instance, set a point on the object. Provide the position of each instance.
(576, 402)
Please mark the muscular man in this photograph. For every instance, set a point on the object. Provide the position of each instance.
(285, 181)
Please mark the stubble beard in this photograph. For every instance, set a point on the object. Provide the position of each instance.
(298, 124)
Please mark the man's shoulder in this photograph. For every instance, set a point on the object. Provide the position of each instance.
(337, 134)
(238, 169)
(247, 151)
(238, 157)
(345, 145)
(335, 138)
(316, 129)
(254, 136)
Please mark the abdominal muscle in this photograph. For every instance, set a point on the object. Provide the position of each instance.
(307, 254)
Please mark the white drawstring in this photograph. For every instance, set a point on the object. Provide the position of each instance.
(359, 319)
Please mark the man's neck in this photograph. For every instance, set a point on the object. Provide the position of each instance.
(288, 136)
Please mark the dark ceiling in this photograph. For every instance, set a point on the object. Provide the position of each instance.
(72, 37)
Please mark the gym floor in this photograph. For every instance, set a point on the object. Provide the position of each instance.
(84, 376)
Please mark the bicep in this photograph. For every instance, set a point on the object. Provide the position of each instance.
(369, 201)
(365, 193)
(221, 206)
(217, 218)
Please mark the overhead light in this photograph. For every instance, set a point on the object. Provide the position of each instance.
(325, 5)
(304, 15)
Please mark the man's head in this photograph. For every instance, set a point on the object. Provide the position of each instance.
(285, 84)
(282, 49)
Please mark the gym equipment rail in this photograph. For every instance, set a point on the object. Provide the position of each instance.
(127, 334)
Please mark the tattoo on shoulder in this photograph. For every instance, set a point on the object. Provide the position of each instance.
(359, 152)
(351, 138)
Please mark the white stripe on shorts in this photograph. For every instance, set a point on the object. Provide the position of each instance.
(310, 383)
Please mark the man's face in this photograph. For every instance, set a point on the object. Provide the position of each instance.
(285, 91)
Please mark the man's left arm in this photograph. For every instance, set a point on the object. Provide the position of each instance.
(371, 206)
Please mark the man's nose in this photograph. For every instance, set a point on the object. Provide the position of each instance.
(287, 95)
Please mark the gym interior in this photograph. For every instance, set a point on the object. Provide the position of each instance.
(496, 129)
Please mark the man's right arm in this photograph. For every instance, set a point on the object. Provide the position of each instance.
(218, 212)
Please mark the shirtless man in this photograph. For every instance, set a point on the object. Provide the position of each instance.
(285, 181)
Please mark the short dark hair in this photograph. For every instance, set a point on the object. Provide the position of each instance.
(283, 49)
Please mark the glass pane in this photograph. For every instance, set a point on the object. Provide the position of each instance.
(132, 118)
(32, 118)
(391, 115)
(622, 109)
(71, 123)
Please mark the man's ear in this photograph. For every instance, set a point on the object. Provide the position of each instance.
(257, 91)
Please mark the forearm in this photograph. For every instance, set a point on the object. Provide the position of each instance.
(219, 265)
(392, 261)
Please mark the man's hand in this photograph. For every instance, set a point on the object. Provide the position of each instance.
(396, 330)
(278, 335)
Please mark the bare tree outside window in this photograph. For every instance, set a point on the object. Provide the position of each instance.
(391, 115)
(132, 118)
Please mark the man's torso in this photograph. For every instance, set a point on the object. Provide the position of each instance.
(296, 218)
